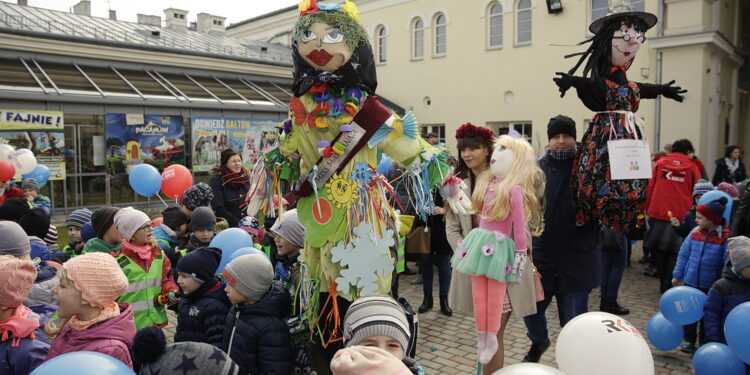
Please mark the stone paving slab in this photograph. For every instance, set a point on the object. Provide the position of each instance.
(453, 339)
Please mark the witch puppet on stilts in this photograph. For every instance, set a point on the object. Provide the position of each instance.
(613, 168)
(335, 128)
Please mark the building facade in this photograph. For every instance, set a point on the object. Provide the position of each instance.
(90, 71)
(491, 62)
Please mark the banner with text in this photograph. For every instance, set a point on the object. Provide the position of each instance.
(133, 139)
(212, 135)
(40, 131)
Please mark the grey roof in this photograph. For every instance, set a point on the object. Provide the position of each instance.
(262, 16)
(52, 24)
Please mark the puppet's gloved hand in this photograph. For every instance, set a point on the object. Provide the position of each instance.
(452, 191)
(673, 92)
(563, 82)
(519, 263)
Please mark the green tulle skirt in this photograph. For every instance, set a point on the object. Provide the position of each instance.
(487, 253)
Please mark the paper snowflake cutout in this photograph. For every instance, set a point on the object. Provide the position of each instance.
(366, 259)
(362, 173)
(342, 191)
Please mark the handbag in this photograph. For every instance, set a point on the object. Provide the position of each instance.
(538, 288)
(418, 243)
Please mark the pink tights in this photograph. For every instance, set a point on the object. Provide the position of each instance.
(488, 295)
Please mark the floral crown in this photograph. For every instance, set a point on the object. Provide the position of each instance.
(469, 130)
(313, 6)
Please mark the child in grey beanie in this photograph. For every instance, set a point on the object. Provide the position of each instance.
(731, 290)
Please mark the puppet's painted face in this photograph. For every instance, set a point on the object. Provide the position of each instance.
(323, 46)
(502, 161)
(625, 44)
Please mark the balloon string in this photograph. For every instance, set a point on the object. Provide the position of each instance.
(162, 200)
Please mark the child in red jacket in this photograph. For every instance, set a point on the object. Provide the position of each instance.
(147, 268)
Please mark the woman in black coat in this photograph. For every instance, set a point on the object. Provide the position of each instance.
(230, 184)
(730, 168)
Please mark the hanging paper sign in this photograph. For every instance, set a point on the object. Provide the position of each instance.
(329, 166)
(629, 159)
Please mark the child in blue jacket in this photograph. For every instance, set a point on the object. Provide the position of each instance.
(204, 305)
(31, 191)
(702, 257)
(731, 290)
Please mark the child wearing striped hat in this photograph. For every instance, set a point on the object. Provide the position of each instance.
(75, 222)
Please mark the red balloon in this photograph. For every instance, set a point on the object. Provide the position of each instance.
(7, 170)
(174, 180)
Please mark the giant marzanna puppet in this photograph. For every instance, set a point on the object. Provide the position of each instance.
(336, 127)
(605, 89)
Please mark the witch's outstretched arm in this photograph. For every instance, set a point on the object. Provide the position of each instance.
(668, 90)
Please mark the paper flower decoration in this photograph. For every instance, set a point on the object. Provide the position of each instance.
(488, 249)
(362, 173)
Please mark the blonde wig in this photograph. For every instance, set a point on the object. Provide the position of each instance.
(524, 173)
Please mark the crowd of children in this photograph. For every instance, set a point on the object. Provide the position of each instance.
(109, 288)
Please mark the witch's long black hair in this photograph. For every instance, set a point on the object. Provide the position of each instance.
(598, 55)
(358, 72)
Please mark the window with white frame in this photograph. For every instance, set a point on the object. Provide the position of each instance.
(523, 22)
(440, 35)
(600, 8)
(495, 25)
(524, 128)
(381, 43)
(417, 39)
(438, 129)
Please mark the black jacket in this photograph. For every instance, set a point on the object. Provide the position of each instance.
(202, 318)
(722, 173)
(567, 256)
(259, 338)
(741, 218)
(226, 202)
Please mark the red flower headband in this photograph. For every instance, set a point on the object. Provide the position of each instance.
(469, 130)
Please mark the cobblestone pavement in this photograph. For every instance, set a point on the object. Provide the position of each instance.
(453, 339)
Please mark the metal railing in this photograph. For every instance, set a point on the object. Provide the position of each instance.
(142, 37)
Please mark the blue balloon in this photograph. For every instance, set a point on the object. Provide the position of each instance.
(234, 255)
(83, 363)
(716, 358)
(662, 333)
(737, 331)
(714, 195)
(230, 240)
(41, 174)
(682, 305)
(385, 164)
(145, 180)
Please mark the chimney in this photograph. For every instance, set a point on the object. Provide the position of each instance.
(23, 2)
(145, 19)
(113, 15)
(175, 18)
(210, 24)
(83, 8)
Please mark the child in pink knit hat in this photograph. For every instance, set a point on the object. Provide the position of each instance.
(22, 348)
(91, 319)
(356, 360)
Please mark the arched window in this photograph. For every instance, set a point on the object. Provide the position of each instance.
(495, 25)
(523, 22)
(381, 43)
(440, 34)
(600, 8)
(417, 38)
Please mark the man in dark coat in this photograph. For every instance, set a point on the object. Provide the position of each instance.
(567, 256)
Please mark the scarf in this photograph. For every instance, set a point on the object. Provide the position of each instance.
(106, 313)
(562, 155)
(234, 180)
(143, 252)
(732, 165)
(19, 325)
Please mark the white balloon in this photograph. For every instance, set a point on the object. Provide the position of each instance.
(6, 152)
(24, 161)
(528, 369)
(602, 343)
